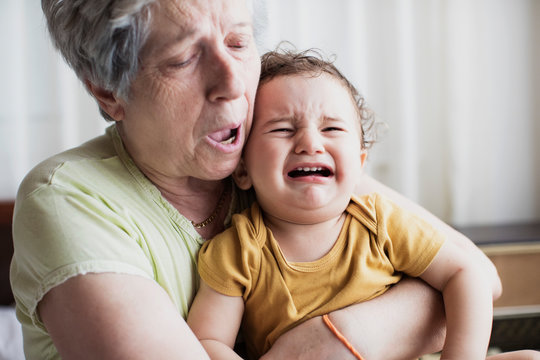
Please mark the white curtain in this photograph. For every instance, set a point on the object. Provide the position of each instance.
(456, 81)
(458, 84)
(44, 108)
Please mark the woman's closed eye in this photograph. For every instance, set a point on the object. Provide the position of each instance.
(184, 61)
(238, 42)
(181, 63)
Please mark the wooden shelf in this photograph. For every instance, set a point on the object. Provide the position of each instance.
(503, 234)
(515, 251)
(6, 251)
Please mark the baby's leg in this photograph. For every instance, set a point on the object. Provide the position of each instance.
(516, 355)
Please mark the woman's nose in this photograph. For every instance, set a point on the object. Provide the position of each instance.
(309, 141)
(224, 76)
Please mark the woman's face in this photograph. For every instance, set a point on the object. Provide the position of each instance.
(191, 104)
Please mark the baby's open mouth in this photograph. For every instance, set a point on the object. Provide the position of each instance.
(310, 171)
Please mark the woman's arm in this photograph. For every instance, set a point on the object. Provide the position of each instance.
(404, 323)
(468, 302)
(116, 316)
(215, 319)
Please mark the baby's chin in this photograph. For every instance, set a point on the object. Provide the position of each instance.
(311, 216)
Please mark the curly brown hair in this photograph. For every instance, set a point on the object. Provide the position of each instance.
(283, 61)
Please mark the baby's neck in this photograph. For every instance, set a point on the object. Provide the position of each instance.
(305, 242)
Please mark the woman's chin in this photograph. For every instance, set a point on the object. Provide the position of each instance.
(222, 169)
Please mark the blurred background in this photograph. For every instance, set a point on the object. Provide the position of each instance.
(457, 83)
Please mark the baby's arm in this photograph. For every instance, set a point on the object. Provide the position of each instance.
(368, 185)
(468, 300)
(215, 319)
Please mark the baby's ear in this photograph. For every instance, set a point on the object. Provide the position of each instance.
(363, 157)
(241, 176)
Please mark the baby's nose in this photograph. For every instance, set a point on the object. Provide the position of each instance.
(309, 141)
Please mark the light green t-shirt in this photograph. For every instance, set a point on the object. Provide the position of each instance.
(90, 210)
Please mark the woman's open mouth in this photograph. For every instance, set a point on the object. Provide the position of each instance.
(224, 137)
(231, 138)
(227, 140)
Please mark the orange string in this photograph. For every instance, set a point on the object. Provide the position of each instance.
(341, 337)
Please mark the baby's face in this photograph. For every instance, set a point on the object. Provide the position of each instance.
(304, 154)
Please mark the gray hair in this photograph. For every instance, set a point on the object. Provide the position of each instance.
(100, 39)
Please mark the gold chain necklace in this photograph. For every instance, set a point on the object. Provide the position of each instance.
(215, 213)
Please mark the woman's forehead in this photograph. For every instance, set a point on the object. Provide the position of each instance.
(191, 12)
(176, 20)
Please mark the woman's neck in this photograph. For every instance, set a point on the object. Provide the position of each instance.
(194, 198)
(204, 203)
(304, 243)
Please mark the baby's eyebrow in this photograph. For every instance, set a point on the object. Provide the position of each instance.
(280, 119)
(241, 24)
(334, 120)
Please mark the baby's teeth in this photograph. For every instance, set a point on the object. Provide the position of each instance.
(309, 168)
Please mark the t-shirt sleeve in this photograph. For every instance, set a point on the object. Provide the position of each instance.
(62, 233)
(410, 243)
(229, 263)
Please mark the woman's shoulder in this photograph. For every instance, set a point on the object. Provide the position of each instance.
(43, 174)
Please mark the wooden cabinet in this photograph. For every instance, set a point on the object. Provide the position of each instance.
(515, 251)
(6, 251)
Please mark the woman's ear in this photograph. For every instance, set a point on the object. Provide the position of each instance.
(107, 101)
(241, 176)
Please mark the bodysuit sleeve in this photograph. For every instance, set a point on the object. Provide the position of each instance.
(410, 243)
(229, 263)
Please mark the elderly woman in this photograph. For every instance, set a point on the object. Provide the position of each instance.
(106, 234)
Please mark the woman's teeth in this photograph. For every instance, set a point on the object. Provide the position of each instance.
(228, 141)
(231, 138)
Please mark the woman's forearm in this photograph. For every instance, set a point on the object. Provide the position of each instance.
(219, 351)
(405, 322)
